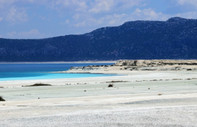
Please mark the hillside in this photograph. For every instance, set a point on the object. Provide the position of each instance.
(175, 38)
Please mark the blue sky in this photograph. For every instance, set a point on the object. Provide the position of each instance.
(48, 18)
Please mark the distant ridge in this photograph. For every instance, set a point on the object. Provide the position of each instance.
(175, 38)
(178, 19)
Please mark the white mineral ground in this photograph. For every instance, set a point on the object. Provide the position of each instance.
(138, 98)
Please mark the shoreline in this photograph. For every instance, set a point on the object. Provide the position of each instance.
(130, 76)
(58, 62)
(98, 61)
(138, 98)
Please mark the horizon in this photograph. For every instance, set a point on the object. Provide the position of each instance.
(31, 19)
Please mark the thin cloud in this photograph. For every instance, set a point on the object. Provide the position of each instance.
(102, 6)
(1, 19)
(80, 16)
(74, 5)
(148, 14)
(34, 33)
(16, 15)
(190, 2)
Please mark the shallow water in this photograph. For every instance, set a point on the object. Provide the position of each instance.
(42, 71)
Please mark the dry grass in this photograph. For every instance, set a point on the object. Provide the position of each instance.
(116, 81)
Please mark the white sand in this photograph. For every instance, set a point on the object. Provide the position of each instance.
(144, 99)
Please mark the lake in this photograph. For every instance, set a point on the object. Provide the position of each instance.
(31, 71)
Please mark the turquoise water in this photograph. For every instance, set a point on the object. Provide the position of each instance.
(42, 71)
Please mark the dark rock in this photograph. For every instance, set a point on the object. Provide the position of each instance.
(1, 99)
(37, 84)
(110, 85)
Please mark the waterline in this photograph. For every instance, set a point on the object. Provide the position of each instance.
(42, 71)
(36, 76)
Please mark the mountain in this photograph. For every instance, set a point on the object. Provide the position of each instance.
(175, 38)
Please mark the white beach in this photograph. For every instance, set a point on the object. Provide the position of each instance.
(98, 63)
(149, 98)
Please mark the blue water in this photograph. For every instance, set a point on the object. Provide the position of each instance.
(42, 71)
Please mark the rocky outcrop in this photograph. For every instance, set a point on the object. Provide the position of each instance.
(142, 65)
(154, 63)
(170, 65)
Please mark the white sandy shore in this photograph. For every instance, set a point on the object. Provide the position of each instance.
(157, 98)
